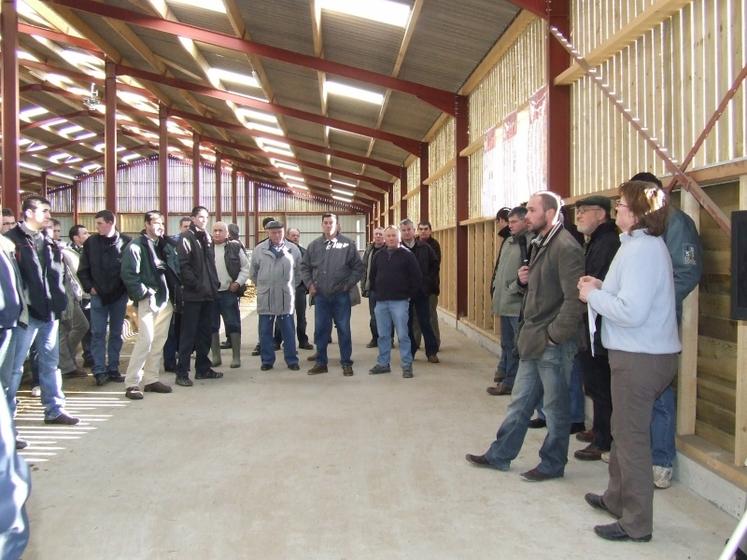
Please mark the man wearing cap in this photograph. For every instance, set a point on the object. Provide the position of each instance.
(593, 220)
(330, 268)
(274, 270)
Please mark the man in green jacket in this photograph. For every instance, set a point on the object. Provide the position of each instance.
(144, 276)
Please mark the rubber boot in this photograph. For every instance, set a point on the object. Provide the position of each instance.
(235, 349)
(215, 350)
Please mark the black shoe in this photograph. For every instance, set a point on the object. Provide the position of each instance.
(577, 428)
(169, 368)
(255, 352)
(225, 345)
(157, 387)
(347, 371)
(75, 373)
(265, 367)
(535, 475)
(184, 381)
(276, 346)
(102, 379)
(378, 368)
(21, 443)
(614, 532)
(535, 423)
(115, 376)
(478, 460)
(372, 344)
(88, 362)
(209, 374)
(294, 367)
(306, 346)
(318, 368)
(63, 419)
(597, 502)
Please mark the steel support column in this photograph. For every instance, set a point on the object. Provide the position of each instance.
(559, 105)
(247, 198)
(390, 208)
(163, 163)
(44, 184)
(402, 193)
(195, 169)
(74, 202)
(424, 194)
(218, 187)
(234, 197)
(11, 179)
(110, 137)
(255, 193)
(462, 203)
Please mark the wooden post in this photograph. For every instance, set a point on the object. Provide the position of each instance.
(687, 380)
(195, 169)
(424, 195)
(11, 179)
(163, 163)
(110, 137)
(740, 413)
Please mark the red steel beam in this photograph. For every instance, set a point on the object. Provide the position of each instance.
(424, 191)
(163, 163)
(255, 194)
(247, 194)
(218, 186)
(110, 138)
(234, 197)
(195, 169)
(67, 116)
(387, 167)
(79, 42)
(402, 189)
(441, 99)
(81, 77)
(559, 105)
(9, 89)
(408, 144)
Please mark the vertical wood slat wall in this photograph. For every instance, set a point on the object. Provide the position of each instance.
(672, 77)
(413, 181)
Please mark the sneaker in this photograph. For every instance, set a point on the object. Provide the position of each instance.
(407, 372)
(184, 381)
(379, 369)
(372, 344)
(36, 391)
(63, 419)
(157, 387)
(134, 393)
(347, 371)
(318, 368)
(662, 477)
(535, 475)
(605, 457)
(434, 359)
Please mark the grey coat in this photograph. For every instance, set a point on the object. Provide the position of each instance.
(276, 278)
(551, 310)
(507, 294)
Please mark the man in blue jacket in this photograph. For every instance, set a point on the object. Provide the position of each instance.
(683, 243)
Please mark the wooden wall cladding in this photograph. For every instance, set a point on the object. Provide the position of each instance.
(672, 78)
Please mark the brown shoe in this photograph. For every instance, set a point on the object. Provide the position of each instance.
(587, 436)
(434, 359)
(157, 387)
(318, 368)
(313, 357)
(500, 389)
(589, 453)
(134, 393)
(75, 373)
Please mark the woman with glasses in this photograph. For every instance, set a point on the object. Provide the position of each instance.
(639, 329)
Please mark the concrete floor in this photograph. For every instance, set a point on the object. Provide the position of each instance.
(280, 465)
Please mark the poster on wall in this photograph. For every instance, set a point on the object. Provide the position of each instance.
(515, 156)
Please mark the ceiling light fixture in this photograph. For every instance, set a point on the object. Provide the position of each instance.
(359, 94)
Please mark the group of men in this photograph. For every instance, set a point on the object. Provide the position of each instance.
(535, 294)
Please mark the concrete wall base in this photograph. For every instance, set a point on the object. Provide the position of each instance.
(709, 485)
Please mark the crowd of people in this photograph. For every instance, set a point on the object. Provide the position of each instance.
(581, 309)
(598, 316)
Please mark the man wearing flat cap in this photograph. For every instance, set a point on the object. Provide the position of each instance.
(274, 271)
(593, 220)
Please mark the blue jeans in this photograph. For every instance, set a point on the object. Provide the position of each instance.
(663, 430)
(101, 314)
(548, 375)
(44, 336)
(509, 362)
(337, 307)
(393, 313)
(576, 394)
(227, 306)
(266, 343)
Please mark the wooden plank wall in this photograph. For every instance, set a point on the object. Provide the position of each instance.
(396, 197)
(717, 334)
(672, 78)
(447, 238)
(413, 181)
(483, 244)
(441, 191)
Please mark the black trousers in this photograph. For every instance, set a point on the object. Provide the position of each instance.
(419, 305)
(596, 370)
(372, 321)
(196, 332)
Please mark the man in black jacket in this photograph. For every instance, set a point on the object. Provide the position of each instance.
(42, 272)
(99, 274)
(425, 233)
(395, 278)
(374, 247)
(199, 290)
(429, 267)
(593, 220)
